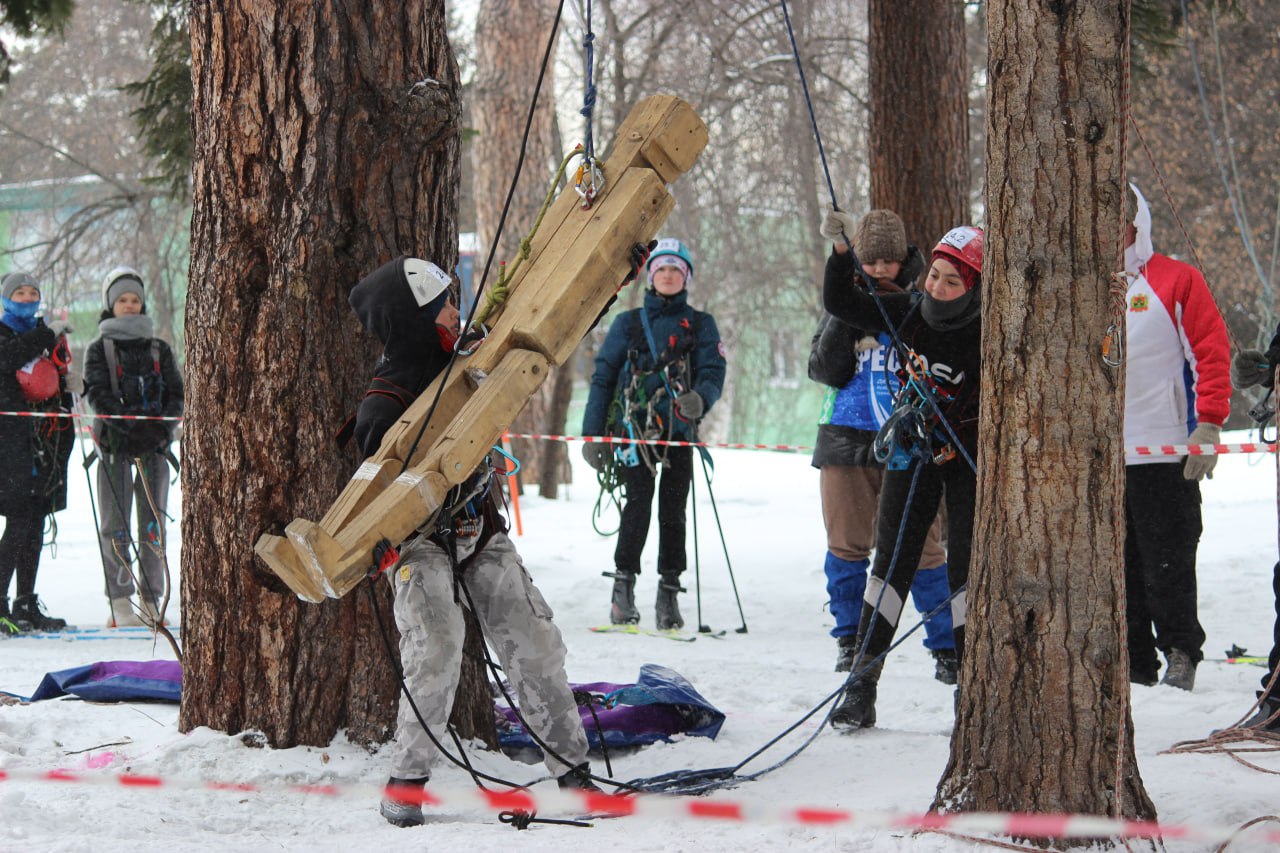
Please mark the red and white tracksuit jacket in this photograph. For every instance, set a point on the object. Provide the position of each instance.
(1178, 362)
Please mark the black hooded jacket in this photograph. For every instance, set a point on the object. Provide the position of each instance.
(411, 357)
(952, 356)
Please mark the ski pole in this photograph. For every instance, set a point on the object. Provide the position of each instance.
(697, 566)
(702, 456)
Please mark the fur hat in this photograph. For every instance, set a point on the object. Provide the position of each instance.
(120, 281)
(880, 236)
(12, 281)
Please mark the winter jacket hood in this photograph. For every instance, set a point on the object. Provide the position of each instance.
(411, 356)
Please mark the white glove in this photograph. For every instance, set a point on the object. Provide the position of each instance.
(1199, 467)
(74, 383)
(59, 328)
(866, 342)
(835, 223)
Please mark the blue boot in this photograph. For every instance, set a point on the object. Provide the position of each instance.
(846, 583)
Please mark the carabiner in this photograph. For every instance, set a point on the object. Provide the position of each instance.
(590, 189)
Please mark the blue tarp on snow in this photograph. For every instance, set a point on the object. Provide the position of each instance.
(115, 681)
(660, 704)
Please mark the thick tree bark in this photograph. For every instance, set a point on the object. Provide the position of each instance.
(1044, 721)
(511, 36)
(919, 115)
(326, 143)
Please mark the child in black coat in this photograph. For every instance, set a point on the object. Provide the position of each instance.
(941, 333)
(33, 450)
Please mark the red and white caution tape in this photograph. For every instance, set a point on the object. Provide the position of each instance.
(1198, 449)
(89, 417)
(656, 807)
(614, 439)
(1135, 450)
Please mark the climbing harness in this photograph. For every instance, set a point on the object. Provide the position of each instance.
(908, 433)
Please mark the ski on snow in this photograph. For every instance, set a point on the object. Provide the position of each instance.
(132, 632)
(636, 630)
(672, 634)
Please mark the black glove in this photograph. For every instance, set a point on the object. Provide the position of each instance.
(596, 453)
(1250, 367)
(637, 258)
(690, 405)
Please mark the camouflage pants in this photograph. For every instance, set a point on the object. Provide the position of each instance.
(517, 625)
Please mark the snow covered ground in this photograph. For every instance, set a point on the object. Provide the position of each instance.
(763, 680)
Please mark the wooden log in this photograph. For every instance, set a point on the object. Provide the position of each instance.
(576, 261)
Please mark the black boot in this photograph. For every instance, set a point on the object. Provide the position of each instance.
(1261, 721)
(667, 610)
(11, 626)
(27, 608)
(403, 811)
(846, 651)
(578, 779)
(945, 666)
(858, 708)
(622, 608)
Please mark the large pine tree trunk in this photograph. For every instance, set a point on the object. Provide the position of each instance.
(511, 36)
(919, 115)
(326, 143)
(1044, 722)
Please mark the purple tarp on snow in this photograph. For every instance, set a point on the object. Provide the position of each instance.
(115, 681)
(660, 704)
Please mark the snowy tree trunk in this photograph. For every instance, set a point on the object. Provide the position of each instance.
(326, 142)
(511, 36)
(1044, 721)
(919, 115)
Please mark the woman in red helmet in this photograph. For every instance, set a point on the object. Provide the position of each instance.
(940, 332)
(33, 450)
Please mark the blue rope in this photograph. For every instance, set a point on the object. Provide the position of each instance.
(589, 92)
(813, 119)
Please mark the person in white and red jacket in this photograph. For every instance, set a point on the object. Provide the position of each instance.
(1177, 391)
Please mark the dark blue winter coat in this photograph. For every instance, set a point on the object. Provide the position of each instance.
(33, 451)
(687, 340)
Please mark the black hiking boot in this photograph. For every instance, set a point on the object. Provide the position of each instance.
(846, 651)
(858, 708)
(622, 608)
(945, 666)
(667, 610)
(398, 807)
(1181, 672)
(578, 779)
(1262, 720)
(10, 626)
(27, 608)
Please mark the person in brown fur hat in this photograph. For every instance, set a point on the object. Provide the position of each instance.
(858, 369)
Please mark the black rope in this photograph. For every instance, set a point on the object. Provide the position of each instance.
(463, 762)
(497, 236)
(900, 347)
(533, 735)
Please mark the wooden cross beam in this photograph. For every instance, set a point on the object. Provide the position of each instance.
(576, 261)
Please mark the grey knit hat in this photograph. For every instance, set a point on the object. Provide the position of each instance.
(120, 281)
(12, 281)
(881, 236)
